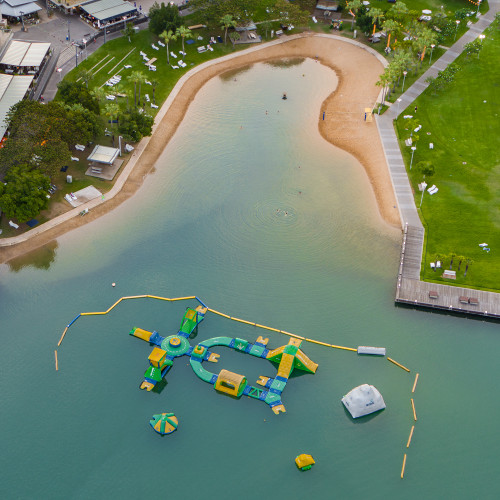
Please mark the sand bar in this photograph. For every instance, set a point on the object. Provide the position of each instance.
(358, 68)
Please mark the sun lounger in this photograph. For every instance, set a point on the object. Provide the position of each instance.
(161, 44)
(129, 148)
(146, 96)
(417, 129)
(200, 38)
(432, 187)
(175, 67)
(110, 97)
(73, 158)
(409, 141)
(438, 264)
(155, 47)
(154, 106)
(212, 40)
(279, 32)
(67, 197)
(314, 20)
(152, 68)
(433, 265)
(80, 147)
(201, 49)
(210, 48)
(128, 66)
(431, 145)
(173, 54)
(183, 53)
(13, 224)
(434, 191)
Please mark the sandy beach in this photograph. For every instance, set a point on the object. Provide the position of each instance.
(343, 124)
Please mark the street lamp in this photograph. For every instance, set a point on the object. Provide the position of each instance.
(120, 143)
(481, 37)
(398, 101)
(404, 78)
(59, 70)
(423, 186)
(478, 5)
(22, 20)
(413, 148)
(456, 31)
(432, 48)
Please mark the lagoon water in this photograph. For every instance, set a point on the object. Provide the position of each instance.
(262, 219)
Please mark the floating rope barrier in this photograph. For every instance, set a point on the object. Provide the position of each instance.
(57, 366)
(415, 383)
(413, 408)
(398, 364)
(411, 435)
(403, 467)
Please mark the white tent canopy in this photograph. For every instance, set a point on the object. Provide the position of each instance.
(12, 90)
(104, 154)
(21, 53)
(363, 400)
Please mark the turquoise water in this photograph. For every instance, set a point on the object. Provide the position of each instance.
(210, 221)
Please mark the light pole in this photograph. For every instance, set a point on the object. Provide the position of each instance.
(120, 143)
(69, 35)
(424, 185)
(481, 37)
(413, 148)
(456, 30)
(59, 70)
(398, 101)
(85, 46)
(478, 5)
(404, 78)
(432, 48)
(22, 20)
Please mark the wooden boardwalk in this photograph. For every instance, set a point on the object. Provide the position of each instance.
(410, 290)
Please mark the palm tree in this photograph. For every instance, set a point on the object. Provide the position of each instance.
(128, 31)
(168, 36)
(99, 94)
(141, 79)
(111, 110)
(227, 22)
(184, 32)
(154, 84)
(135, 77)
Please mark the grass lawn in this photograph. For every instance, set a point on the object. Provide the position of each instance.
(464, 125)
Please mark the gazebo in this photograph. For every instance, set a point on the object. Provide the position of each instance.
(103, 155)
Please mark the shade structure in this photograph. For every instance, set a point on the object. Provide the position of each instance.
(25, 54)
(104, 154)
(12, 90)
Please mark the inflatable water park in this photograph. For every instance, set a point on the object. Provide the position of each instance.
(359, 402)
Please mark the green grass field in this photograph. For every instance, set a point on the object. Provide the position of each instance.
(464, 125)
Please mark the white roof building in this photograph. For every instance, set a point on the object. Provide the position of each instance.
(12, 90)
(25, 54)
(18, 8)
(363, 400)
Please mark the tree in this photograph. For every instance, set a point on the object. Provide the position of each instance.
(164, 18)
(184, 32)
(354, 6)
(84, 124)
(154, 84)
(111, 110)
(473, 47)
(134, 125)
(376, 15)
(399, 12)
(99, 94)
(291, 13)
(85, 76)
(168, 36)
(227, 22)
(426, 168)
(266, 26)
(25, 193)
(129, 31)
(234, 37)
(77, 93)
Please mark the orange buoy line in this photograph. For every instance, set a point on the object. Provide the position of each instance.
(413, 407)
(403, 468)
(415, 383)
(398, 364)
(411, 435)
(57, 366)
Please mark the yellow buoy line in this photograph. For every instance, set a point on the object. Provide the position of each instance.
(412, 401)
